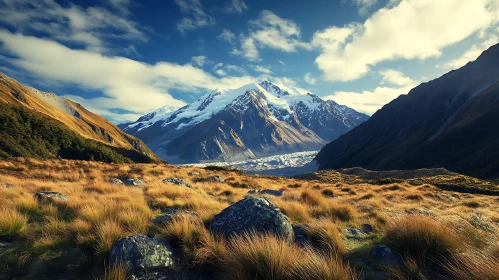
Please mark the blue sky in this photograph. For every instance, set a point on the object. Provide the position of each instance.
(125, 58)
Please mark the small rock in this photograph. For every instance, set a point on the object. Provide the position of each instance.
(142, 254)
(169, 213)
(214, 179)
(354, 232)
(134, 182)
(4, 244)
(152, 276)
(300, 233)
(253, 213)
(116, 181)
(252, 192)
(273, 192)
(367, 228)
(6, 185)
(193, 173)
(420, 211)
(385, 255)
(50, 196)
(177, 181)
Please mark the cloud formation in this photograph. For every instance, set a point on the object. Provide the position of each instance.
(370, 101)
(89, 27)
(270, 31)
(236, 6)
(413, 29)
(195, 17)
(227, 35)
(309, 79)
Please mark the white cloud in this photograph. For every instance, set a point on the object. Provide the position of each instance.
(86, 26)
(262, 69)
(308, 78)
(414, 29)
(282, 62)
(221, 72)
(195, 16)
(395, 78)
(236, 6)
(235, 68)
(227, 35)
(199, 60)
(473, 53)
(121, 5)
(363, 5)
(270, 31)
(126, 84)
(369, 101)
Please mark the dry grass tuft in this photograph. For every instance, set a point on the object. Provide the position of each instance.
(11, 222)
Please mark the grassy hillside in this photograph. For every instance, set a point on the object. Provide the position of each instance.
(25, 133)
(439, 234)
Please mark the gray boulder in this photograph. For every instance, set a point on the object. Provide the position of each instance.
(134, 182)
(50, 197)
(252, 214)
(385, 255)
(193, 173)
(300, 233)
(367, 228)
(354, 232)
(177, 181)
(168, 214)
(142, 254)
(216, 179)
(116, 181)
(6, 185)
(269, 192)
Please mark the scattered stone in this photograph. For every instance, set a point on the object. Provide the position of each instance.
(177, 181)
(273, 192)
(253, 213)
(269, 192)
(152, 276)
(4, 244)
(300, 233)
(142, 254)
(420, 211)
(217, 179)
(50, 196)
(116, 181)
(193, 173)
(134, 182)
(6, 185)
(478, 221)
(354, 232)
(168, 214)
(385, 255)
(367, 228)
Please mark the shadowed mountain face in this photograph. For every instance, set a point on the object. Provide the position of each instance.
(449, 122)
(250, 122)
(25, 104)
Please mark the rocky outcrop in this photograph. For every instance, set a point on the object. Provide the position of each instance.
(134, 182)
(142, 254)
(177, 181)
(168, 214)
(252, 214)
(277, 193)
(116, 181)
(43, 197)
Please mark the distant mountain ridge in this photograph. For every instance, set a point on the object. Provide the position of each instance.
(253, 121)
(450, 122)
(75, 122)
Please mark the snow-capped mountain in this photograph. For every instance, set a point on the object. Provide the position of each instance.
(253, 121)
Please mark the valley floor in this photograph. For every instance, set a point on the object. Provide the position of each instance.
(349, 228)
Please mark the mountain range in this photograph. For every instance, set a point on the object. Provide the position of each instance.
(450, 122)
(40, 124)
(253, 121)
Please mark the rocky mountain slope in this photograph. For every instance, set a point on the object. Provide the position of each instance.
(22, 105)
(249, 122)
(449, 122)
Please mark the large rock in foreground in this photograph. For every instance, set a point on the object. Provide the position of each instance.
(252, 214)
(142, 254)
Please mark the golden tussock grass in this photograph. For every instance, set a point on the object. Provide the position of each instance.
(98, 213)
